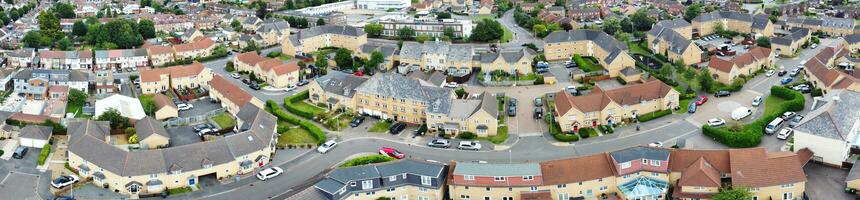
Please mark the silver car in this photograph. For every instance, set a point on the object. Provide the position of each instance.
(327, 146)
(469, 145)
(439, 143)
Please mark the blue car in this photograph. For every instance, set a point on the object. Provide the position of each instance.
(692, 107)
(786, 80)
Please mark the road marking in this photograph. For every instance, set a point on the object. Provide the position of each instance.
(4, 178)
(679, 136)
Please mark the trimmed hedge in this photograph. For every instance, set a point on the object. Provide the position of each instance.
(288, 103)
(467, 135)
(654, 115)
(555, 131)
(587, 132)
(315, 131)
(43, 156)
(364, 160)
(563, 137)
(750, 135)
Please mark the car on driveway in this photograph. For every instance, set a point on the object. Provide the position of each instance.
(784, 133)
(802, 88)
(356, 121)
(394, 153)
(246, 81)
(327, 146)
(786, 80)
(303, 82)
(64, 180)
(235, 75)
(716, 122)
(184, 107)
(795, 121)
(781, 73)
(538, 102)
(740, 113)
(20, 152)
(538, 113)
(702, 100)
(269, 173)
(794, 72)
(757, 101)
(439, 143)
(656, 144)
(512, 107)
(788, 115)
(290, 88)
(450, 84)
(469, 145)
(397, 128)
(255, 86)
(200, 127)
(722, 93)
(769, 73)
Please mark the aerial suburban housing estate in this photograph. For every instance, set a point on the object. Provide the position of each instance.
(454, 59)
(177, 77)
(830, 129)
(610, 53)
(394, 96)
(510, 61)
(671, 38)
(314, 38)
(726, 71)
(789, 44)
(272, 70)
(476, 114)
(706, 23)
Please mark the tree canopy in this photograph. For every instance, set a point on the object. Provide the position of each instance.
(114, 117)
(343, 58)
(373, 30)
(487, 30)
(405, 33)
(733, 194)
(692, 11)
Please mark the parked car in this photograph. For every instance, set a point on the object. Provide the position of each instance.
(303, 82)
(327, 146)
(439, 143)
(656, 144)
(691, 108)
(538, 113)
(64, 180)
(740, 113)
(469, 145)
(450, 85)
(20, 152)
(394, 153)
(802, 88)
(757, 101)
(356, 121)
(246, 81)
(206, 131)
(269, 173)
(769, 73)
(184, 107)
(784, 133)
(702, 100)
(788, 115)
(200, 127)
(795, 121)
(781, 73)
(572, 90)
(538, 102)
(512, 107)
(235, 75)
(813, 46)
(290, 88)
(255, 86)
(397, 128)
(571, 65)
(786, 80)
(63, 198)
(722, 93)
(716, 122)
(794, 72)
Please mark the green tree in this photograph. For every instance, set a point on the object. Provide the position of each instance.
(10, 2)
(405, 33)
(443, 15)
(733, 194)
(373, 30)
(146, 29)
(692, 11)
(449, 32)
(706, 81)
(4, 18)
(763, 41)
(262, 9)
(65, 44)
(32, 39)
(77, 97)
(540, 30)
(487, 30)
(612, 26)
(79, 28)
(49, 25)
(641, 21)
(376, 58)
(559, 2)
(321, 61)
(114, 117)
(146, 3)
(235, 24)
(64, 10)
(343, 58)
(320, 22)
(423, 37)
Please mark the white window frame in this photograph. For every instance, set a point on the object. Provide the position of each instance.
(499, 178)
(426, 180)
(468, 177)
(626, 165)
(392, 178)
(528, 178)
(366, 184)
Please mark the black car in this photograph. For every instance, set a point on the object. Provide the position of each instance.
(722, 93)
(356, 121)
(246, 81)
(20, 152)
(538, 113)
(255, 86)
(781, 73)
(571, 65)
(199, 127)
(303, 82)
(397, 128)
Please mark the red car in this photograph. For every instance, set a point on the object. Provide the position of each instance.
(394, 153)
(702, 100)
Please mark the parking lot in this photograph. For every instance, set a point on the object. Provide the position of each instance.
(201, 106)
(182, 135)
(722, 107)
(407, 135)
(19, 177)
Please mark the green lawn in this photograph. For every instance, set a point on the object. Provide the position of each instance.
(285, 57)
(501, 135)
(683, 104)
(224, 120)
(380, 127)
(308, 107)
(587, 64)
(175, 191)
(771, 104)
(296, 136)
(636, 48)
(75, 108)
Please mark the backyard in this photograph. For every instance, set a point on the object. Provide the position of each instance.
(295, 136)
(224, 120)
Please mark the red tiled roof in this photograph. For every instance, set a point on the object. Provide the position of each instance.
(720, 64)
(152, 75)
(599, 99)
(700, 174)
(251, 58)
(159, 49)
(230, 91)
(577, 169)
(756, 168)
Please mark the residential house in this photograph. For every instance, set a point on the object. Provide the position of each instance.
(431, 27)
(727, 71)
(585, 13)
(272, 70)
(35, 136)
(511, 62)
(151, 133)
(758, 24)
(852, 42)
(404, 179)
(852, 181)
(232, 97)
(273, 32)
(160, 55)
(389, 54)
(830, 129)
(191, 34)
(469, 180)
(250, 23)
(200, 47)
(34, 83)
(335, 90)
(314, 38)
(164, 107)
(144, 172)
(23, 57)
(820, 71)
(66, 59)
(830, 25)
(478, 114)
(176, 77)
(438, 55)
(790, 44)
(613, 106)
(671, 38)
(396, 97)
(610, 53)
(122, 58)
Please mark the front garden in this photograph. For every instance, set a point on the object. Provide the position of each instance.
(587, 64)
(285, 120)
(782, 99)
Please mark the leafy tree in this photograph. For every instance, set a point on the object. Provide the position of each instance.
(235, 24)
(540, 30)
(423, 37)
(487, 30)
(376, 58)
(79, 28)
(10, 2)
(449, 32)
(146, 29)
(705, 80)
(733, 194)
(692, 11)
(763, 41)
(77, 97)
(64, 10)
(49, 25)
(146, 3)
(566, 26)
(612, 26)
(405, 33)
(343, 58)
(443, 15)
(114, 117)
(321, 61)
(4, 18)
(559, 2)
(373, 30)
(262, 9)
(252, 46)
(641, 21)
(320, 22)
(32, 39)
(65, 44)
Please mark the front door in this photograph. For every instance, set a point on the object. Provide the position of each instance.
(192, 181)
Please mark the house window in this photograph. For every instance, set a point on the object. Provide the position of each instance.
(366, 184)
(790, 185)
(499, 178)
(507, 198)
(563, 196)
(487, 198)
(644, 161)
(425, 180)
(533, 188)
(468, 177)
(390, 189)
(488, 189)
(788, 196)
(625, 165)
(421, 189)
(655, 163)
(464, 197)
(654, 174)
(603, 188)
(753, 189)
(528, 178)
(352, 184)
(562, 186)
(626, 176)
(392, 178)
(423, 198)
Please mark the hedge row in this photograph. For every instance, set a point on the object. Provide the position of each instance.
(316, 131)
(364, 160)
(654, 115)
(750, 135)
(555, 131)
(288, 103)
(46, 150)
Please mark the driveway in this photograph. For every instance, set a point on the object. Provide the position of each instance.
(201, 107)
(722, 107)
(17, 185)
(825, 182)
(182, 135)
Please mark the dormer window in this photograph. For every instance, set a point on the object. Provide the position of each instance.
(644, 161)
(499, 178)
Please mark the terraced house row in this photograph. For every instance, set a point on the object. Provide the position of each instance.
(148, 55)
(612, 106)
(706, 23)
(276, 73)
(612, 54)
(631, 173)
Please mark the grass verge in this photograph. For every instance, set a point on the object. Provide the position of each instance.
(380, 127)
(296, 136)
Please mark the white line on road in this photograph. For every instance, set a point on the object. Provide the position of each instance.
(4, 178)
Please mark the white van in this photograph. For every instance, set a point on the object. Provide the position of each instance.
(773, 126)
(740, 113)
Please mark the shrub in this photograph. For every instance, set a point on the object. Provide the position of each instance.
(587, 132)
(620, 80)
(816, 92)
(46, 150)
(654, 115)
(563, 137)
(466, 135)
(364, 160)
(539, 80)
(229, 67)
(288, 103)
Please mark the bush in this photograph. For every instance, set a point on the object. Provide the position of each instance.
(539, 80)
(364, 160)
(816, 92)
(46, 150)
(750, 135)
(318, 133)
(620, 80)
(563, 137)
(229, 67)
(606, 129)
(466, 135)
(288, 103)
(587, 132)
(654, 115)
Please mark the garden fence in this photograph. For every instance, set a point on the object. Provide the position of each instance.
(179, 121)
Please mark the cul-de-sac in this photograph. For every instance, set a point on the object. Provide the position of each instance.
(430, 99)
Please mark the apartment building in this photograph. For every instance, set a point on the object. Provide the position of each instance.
(476, 114)
(200, 47)
(739, 22)
(613, 106)
(389, 53)
(830, 25)
(312, 39)
(433, 27)
(272, 70)
(273, 31)
(671, 38)
(439, 56)
(152, 171)
(34, 83)
(66, 59)
(830, 130)
(634, 173)
(122, 58)
(610, 53)
(396, 97)
(160, 55)
(328, 8)
(726, 71)
(852, 42)
(23, 57)
(232, 97)
(789, 44)
(510, 61)
(820, 71)
(382, 4)
(402, 179)
(335, 90)
(177, 77)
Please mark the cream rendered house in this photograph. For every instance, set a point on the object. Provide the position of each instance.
(184, 76)
(832, 129)
(478, 114)
(335, 90)
(671, 38)
(726, 71)
(706, 23)
(511, 62)
(312, 39)
(607, 107)
(610, 53)
(456, 59)
(399, 98)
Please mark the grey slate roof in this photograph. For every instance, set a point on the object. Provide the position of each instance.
(36, 132)
(603, 40)
(148, 126)
(836, 118)
(330, 29)
(411, 167)
(340, 83)
(339, 178)
(452, 52)
(629, 71)
(759, 21)
(853, 38)
(674, 23)
(509, 56)
(273, 26)
(677, 43)
(795, 35)
(465, 108)
(636, 153)
(386, 50)
(354, 173)
(329, 185)
(396, 86)
(854, 174)
(513, 169)
(23, 52)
